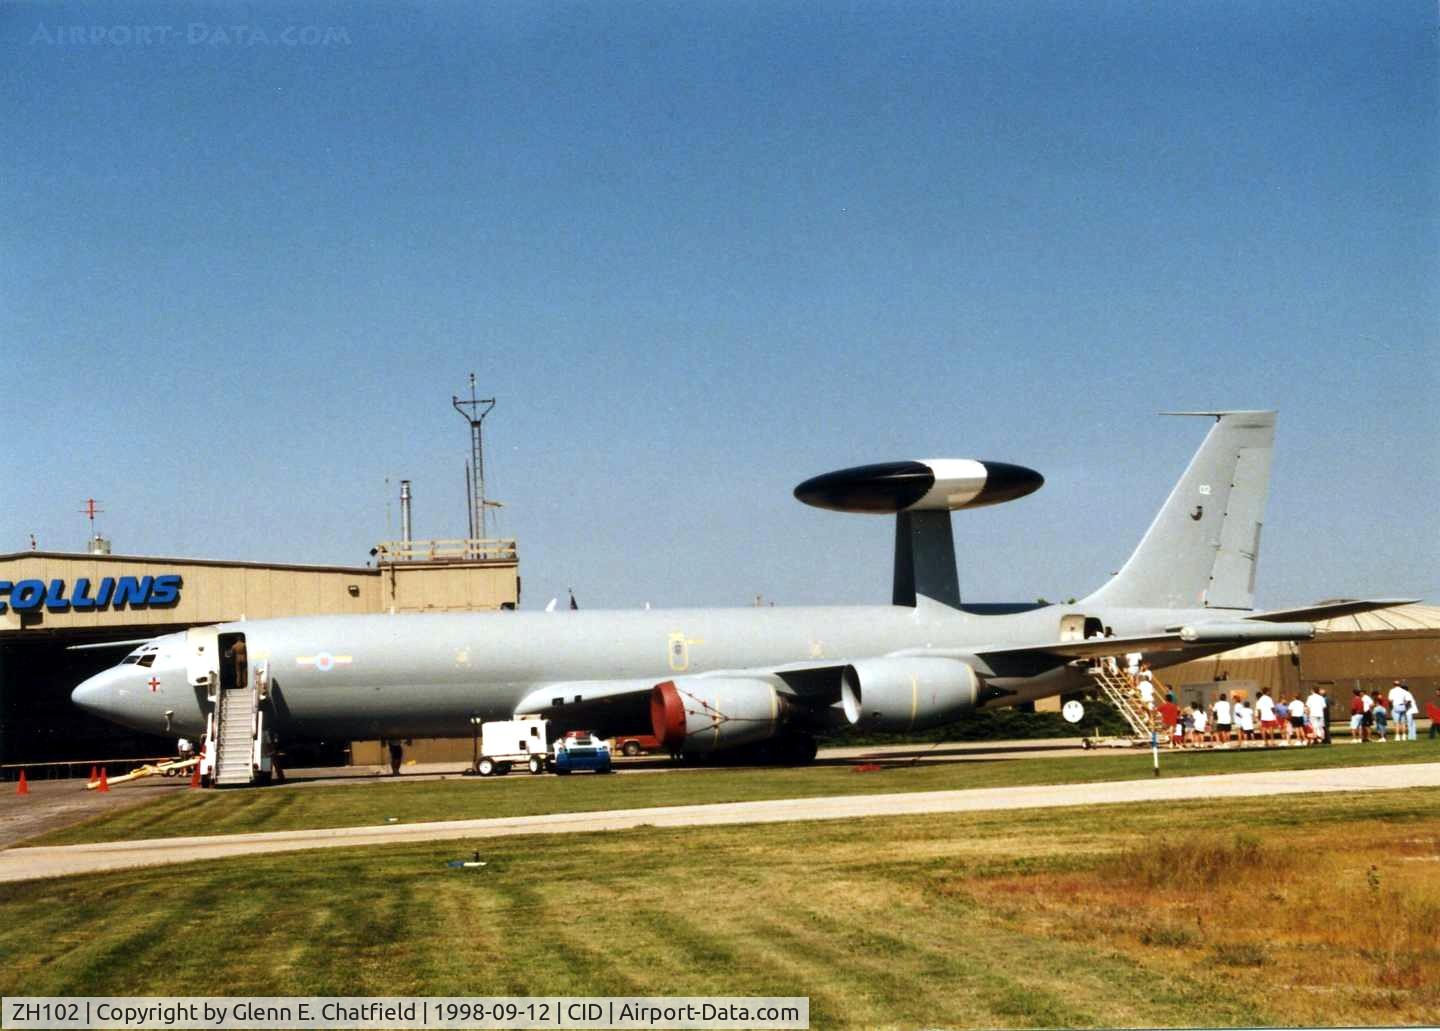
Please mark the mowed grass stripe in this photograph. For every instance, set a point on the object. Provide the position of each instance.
(302, 807)
(968, 919)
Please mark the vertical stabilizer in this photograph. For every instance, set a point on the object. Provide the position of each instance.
(1202, 548)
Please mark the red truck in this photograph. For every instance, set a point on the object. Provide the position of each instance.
(636, 744)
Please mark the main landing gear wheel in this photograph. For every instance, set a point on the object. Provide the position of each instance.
(537, 765)
(793, 750)
(485, 767)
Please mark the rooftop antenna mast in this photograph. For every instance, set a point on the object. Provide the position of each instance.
(92, 509)
(474, 411)
(96, 545)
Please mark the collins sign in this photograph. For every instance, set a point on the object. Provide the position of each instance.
(135, 592)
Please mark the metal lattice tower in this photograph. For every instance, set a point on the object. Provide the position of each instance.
(475, 411)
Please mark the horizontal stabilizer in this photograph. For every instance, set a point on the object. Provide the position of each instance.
(1204, 636)
(1330, 609)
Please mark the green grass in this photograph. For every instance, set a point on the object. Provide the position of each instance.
(414, 801)
(956, 920)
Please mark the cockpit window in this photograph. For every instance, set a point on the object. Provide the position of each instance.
(148, 659)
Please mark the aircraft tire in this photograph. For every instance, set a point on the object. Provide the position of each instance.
(536, 765)
(806, 748)
(485, 767)
(791, 750)
(632, 748)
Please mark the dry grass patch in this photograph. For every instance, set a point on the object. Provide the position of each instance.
(1336, 923)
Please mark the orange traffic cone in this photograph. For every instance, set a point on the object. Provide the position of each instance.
(104, 781)
(195, 776)
(23, 788)
(94, 774)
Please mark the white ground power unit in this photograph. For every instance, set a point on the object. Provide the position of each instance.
(507, 743)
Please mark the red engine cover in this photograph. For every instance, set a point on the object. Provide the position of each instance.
(667, 716)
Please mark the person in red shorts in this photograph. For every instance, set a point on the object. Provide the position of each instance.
(1265, 709)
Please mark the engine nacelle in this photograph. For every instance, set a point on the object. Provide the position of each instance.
(701, 714)
(907, 693)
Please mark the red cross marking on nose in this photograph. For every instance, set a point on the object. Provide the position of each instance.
(154, 684)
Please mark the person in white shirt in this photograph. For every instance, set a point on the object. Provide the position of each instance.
(1296, 709)
(1402, 709)
(1244, 722)
(1222, 719)
(1315, 705)
(1265, 706)
(1200, 722)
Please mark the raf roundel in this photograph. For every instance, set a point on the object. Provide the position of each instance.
(935, 484)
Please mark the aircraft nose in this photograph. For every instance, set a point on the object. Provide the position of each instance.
(96, 695)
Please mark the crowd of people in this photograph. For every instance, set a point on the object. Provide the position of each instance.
(1371, 713)
(1232, 721)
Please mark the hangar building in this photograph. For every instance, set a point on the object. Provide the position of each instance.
(51, 601)
(1367, 650)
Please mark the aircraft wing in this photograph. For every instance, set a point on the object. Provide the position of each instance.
(623, 706)
(1331, 609)
(1207, 636)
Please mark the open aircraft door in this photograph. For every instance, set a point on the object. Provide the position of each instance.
(202, 670)
(202, 657)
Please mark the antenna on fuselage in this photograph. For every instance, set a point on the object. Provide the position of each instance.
(474, 411)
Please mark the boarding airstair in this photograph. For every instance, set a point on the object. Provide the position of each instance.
(239, 746)
(1116, 687)
(236, 724)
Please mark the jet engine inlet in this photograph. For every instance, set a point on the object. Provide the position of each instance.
(699, 715)
(907, 693)
(667, 716)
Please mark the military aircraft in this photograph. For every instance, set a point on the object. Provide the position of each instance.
(709, 681)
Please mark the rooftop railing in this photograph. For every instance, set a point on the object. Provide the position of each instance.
(474, 549)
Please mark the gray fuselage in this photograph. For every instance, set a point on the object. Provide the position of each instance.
(430, 675)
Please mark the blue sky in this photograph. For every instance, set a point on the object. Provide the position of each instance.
(703, 251)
